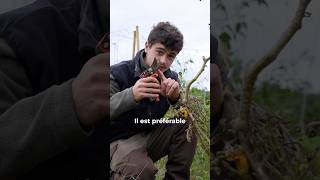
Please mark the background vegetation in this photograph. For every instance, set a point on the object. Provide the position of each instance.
(282, 140)
(200, 108)
(197, 103)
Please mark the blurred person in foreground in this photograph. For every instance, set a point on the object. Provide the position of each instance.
(53, 90)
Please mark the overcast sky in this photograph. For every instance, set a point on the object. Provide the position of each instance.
(192, 17)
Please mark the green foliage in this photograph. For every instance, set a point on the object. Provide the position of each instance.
(182, 69)
(277, 138)
(283, 102)
(235, 24)
(201, 165)
(202, 95)
(280, 146)
(200, 108)
(199, 169)
(313, 110)
(287, 104)
(225, 37)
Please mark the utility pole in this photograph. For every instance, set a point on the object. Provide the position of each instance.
(136, 42)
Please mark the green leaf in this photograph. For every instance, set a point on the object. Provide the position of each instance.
(225, 37)
(310, 144)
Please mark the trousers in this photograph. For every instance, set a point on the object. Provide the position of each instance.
(134, 158)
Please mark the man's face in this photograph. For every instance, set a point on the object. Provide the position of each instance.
(164, 56)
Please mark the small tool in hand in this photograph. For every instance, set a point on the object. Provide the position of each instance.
(152, 72)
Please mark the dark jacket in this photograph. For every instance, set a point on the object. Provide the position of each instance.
(213, 48)
(42, 47)
(126, 74)
(45, 38)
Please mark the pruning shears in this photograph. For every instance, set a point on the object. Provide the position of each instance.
(152, 72)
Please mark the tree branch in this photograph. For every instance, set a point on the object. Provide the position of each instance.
(188, 86)
(251, 76)
(242, 124)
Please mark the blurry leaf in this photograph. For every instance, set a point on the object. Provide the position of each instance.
(244, 25)
(262, 2)
(222, 7)
(307, 14)
(179, 63)
(228, 27)
(245, 4)
(225, 37)
(310, 144)
(238, 27)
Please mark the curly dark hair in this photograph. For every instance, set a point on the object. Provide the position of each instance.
(166, 34)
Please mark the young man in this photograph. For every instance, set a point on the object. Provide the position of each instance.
(135, 146)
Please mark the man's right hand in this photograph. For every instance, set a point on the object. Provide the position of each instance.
(148, 87)
(90, 91)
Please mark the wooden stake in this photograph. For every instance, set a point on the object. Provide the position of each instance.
(134, 44)
(137, 38)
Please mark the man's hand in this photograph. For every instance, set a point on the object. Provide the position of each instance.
(169, 87)
(90, 90)
(148, 87)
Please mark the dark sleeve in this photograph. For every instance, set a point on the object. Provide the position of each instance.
(217, 89)
(32, 128)
(120, 101)
(213, 48)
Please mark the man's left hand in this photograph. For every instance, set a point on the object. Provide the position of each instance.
(169, 87)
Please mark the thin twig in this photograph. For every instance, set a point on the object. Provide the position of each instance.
(251, 76)
(188, 86)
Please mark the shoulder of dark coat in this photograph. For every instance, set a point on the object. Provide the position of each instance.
(172, 74)
(213, 49)
(44, 7)
(123, 65)
(122, 70)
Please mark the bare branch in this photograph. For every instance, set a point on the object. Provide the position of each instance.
(242, 124)
(251, 76)
(188, 86)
